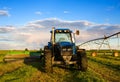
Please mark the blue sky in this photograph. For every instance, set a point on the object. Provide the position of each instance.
(98, 11)
(28, 19)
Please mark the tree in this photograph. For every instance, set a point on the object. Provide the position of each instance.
(26, 49)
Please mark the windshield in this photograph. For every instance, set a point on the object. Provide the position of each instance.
(62, 37)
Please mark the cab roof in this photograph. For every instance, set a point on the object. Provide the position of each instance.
(62, 30)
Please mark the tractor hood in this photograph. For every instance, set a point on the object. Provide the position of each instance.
(65, 44)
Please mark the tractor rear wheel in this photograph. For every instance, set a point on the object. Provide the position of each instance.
(82, 60)
(48, 60)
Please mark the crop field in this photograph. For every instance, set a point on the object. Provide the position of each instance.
(101, 68)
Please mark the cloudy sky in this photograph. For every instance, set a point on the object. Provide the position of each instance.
(26, 23)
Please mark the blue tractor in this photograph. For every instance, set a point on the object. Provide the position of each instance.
(62, 50)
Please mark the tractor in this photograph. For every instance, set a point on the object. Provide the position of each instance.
(62, 50)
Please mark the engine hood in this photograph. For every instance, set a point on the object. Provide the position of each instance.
(65, 44)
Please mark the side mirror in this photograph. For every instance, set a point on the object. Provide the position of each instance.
(77, 32)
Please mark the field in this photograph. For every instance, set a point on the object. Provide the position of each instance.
(101, 68)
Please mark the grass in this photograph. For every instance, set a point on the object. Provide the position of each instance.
(110, 63)
(109, 57)
(28, 73)
(14, 52)
(21, 71)
(104, 70)
(9, 67)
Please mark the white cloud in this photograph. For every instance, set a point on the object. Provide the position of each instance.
(54, 22)
(36, 34)
(34, 25)
(7, 8)
(66, 12)
(38, 13)
(4, 13)
(6, 29)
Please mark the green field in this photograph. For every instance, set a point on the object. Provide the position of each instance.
(101, 68)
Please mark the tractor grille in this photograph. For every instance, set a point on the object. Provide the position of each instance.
(67, 53)
(66, 50)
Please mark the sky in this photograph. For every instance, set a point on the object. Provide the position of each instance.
(26, 23)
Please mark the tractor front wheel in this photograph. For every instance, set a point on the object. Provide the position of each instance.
(82, 60)
(48, 60)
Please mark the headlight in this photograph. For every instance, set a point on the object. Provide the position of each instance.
(64, 49)
(69, 49)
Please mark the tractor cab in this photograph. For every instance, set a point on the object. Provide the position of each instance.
(63, 35)
(62, 40)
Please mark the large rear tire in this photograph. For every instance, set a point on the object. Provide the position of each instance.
(48, 60)
(82, 60)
